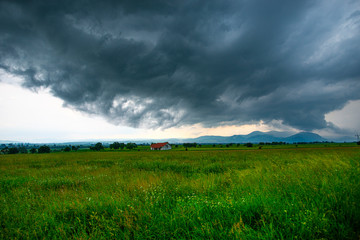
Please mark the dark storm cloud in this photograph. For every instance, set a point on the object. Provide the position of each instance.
(170, 63)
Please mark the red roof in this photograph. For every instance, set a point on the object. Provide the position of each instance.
(158, 145)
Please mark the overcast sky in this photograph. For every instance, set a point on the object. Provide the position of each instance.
(140, 69)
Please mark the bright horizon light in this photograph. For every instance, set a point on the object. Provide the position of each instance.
(40, 117)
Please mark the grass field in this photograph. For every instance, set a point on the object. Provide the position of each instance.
(294, 193)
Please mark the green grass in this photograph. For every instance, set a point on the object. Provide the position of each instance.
(292, 193)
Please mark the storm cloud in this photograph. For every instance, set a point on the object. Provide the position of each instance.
(172, 63)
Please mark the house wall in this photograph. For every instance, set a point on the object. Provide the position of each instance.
(166, 147)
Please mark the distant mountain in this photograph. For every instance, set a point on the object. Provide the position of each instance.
(257, 136)
(305, 137)
(281, 134)
(264, 138)
(209, 139)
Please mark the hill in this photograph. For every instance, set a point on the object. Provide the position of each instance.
(257, 137)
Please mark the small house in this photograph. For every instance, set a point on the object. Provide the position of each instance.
(160, 146)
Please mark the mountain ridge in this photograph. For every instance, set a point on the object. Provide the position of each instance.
(257, 136)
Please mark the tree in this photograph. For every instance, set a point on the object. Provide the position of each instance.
(5, 150)
(131, 146)
(33, 150)
(117, 145)
(13, 150)
(67, 149)
(186, 145)
(248, 144)
(75, 148)
(23, 149)
(98, 146)
(44, 149)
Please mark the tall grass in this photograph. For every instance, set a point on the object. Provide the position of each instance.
(263, 194)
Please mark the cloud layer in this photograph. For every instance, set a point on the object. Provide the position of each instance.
(171, 63)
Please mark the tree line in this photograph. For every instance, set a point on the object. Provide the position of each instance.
(46, 149)
(116, 145)
(15, 150)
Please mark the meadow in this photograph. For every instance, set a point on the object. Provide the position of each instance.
(287, 193)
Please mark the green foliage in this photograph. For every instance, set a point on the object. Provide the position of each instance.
(75, 148)
(131, 146)
(13, 150)
(33, 150)
(5, 150)
(67, 149)
(98, 147)
(248, 145)
(189, 145)
(44, 149)
(117, 145)
(269, 194)
(23, 149)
